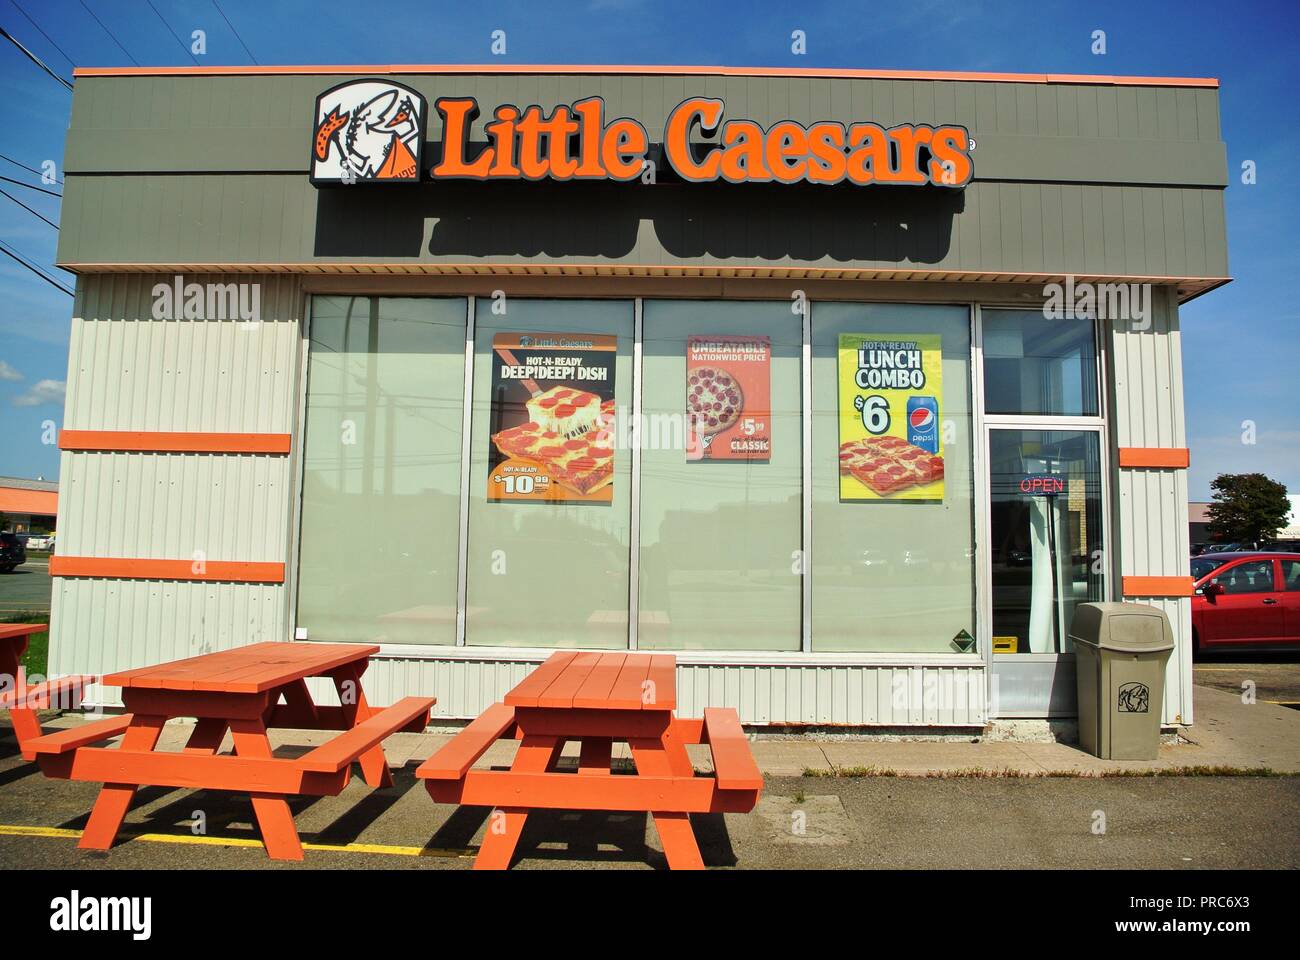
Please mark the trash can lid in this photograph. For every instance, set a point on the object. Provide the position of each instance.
(1123, 627)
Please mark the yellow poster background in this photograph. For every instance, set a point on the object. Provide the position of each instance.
(852, 425)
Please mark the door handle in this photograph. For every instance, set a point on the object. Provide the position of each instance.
(1270, 600)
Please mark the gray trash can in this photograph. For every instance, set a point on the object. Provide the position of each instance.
(1120, 652)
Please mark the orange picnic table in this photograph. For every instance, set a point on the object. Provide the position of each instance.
(598, 699)
(247, 691)
(17, 697)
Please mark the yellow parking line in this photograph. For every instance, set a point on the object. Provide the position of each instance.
(380, 849)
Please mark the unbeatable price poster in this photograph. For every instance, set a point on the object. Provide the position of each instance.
(728, 398)
(552, 418)
(891, 396)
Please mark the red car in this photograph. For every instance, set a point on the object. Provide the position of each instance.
(1246, 601)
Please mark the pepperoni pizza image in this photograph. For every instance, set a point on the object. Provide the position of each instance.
(570, 436)
(887, 465)
(713, 400)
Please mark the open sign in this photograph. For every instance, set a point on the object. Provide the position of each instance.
(1042, 485)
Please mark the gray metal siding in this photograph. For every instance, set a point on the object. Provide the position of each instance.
(1070, 178)
(1082, 229)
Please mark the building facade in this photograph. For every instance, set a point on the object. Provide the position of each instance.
(845, 387)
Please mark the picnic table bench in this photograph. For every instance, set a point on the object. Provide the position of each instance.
(239, 690)
(23, 701)
(598, 699)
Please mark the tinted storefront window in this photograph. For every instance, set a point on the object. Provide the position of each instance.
(891, 572)
(1034, 365)
(381, 470)
(549, 573)
(720, 526)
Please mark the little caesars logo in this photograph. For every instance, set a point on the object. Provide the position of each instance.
(75, 913)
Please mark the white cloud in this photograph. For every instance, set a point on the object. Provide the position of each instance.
(9, 373)
(41, 392)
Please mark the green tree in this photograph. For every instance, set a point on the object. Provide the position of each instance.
(1247, 507)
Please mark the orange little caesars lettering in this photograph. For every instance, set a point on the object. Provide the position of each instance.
(868, 152)
(742, 155)
(574, 142)
(908, 140)
(787, 151)
(827, 161)
(677, 138)
(591, 114)
(951, 164)
(502, 132)
(457, 115)
(623, 148)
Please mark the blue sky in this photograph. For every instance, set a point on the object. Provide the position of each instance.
(1240, 354)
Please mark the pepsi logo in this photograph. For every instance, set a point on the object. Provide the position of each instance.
(922, 419)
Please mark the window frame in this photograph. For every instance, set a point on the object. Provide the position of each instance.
(985, 422)
(803, 653)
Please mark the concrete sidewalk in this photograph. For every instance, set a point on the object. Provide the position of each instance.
(1227, 734)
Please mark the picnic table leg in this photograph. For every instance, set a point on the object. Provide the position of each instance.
(667, 757)
(26, 726)
(536, 754)
(274, 818)
(115, 798)
(207, 736)
(374, 765)
(596, 756)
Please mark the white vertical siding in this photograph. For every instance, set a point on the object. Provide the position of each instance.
(1151, 505)
(127, 371)
(796, 694)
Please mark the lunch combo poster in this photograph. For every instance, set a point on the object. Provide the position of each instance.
(890, 405)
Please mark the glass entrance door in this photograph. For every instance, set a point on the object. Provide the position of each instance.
(1045, 553)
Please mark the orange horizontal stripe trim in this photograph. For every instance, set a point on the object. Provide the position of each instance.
(1154, 457)
(156, 441)
(1158, 586)
(131, 569)
(654, 70)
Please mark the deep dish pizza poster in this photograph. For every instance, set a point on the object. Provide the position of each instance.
(552, 418)
(728, 398)
(891, 398)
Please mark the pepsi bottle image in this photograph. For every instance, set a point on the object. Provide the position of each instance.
(923, 423)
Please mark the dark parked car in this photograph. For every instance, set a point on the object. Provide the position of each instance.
(12, 552)
(1246, 600)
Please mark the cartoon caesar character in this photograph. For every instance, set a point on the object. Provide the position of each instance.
(376, 140)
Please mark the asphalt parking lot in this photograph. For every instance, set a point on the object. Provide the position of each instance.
(1167, 822)
(1275, 676)
(26, 589)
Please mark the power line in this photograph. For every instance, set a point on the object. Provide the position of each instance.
(33, 57)
(171, 31)
(29, 209)
(31, 187)
(108, 31)
(234, 31)
(4, 248)
(29, 19)
(18, 163)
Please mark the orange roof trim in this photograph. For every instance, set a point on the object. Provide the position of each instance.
(657, 70)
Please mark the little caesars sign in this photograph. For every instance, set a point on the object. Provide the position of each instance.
(373, 131)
